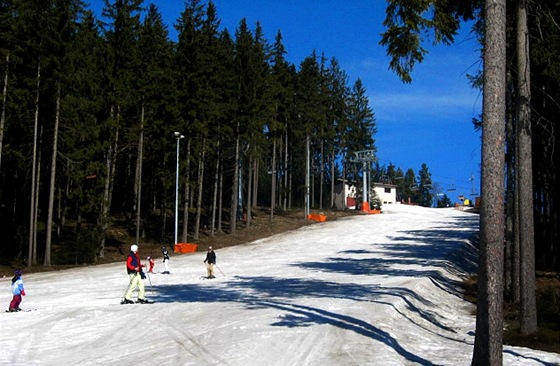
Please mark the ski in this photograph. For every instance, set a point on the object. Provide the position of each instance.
(20, 311)
(130, 302)
(145, 302)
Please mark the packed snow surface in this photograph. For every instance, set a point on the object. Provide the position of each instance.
(364, 290)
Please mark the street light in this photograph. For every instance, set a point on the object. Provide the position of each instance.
(178, 136)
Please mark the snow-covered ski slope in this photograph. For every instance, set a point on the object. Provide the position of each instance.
(365, 290)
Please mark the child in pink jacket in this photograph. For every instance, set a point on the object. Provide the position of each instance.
(17, 290)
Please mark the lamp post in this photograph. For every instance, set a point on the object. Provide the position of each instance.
(178, 137)
(307, 178)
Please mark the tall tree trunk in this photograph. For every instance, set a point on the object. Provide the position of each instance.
(255, 182)
(4, 98)
(235, 187)
(63, 209)
(220, 197)
(333, 159)
(138, 175)
(59, 210)
(528, 319)
(200, 183)
(32, 253)
(273, 181)
(290, 189)
(37, 193)
(184, 236)
(215, 189)
(489, 317)
(307, 171)
(516, 259)
(48, 244)
(162, 207)
(111, 166)
(510, 267)
(249, 191)
(285, 175)
(321, 174)
(163, 213)
(280, 173)
(312, 183)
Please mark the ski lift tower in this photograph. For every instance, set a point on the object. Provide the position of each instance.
(473, 192)
(366, 157)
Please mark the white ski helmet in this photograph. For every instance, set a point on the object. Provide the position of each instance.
(134, 248)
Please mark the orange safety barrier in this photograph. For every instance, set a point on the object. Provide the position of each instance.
(185, 248)
(366, 209)
(317, 217)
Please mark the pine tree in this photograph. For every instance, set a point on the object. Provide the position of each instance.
(6, 53)
(405, 23)
(122, 37)
(224, 131)
(489, 320)
(62, 28)
(38, 49)
(545, 81)
(188, 60)
(524, 188)
(157, 89)
(311, 116)
(276, 126)
(337, 115)
(212, 98)
(83, 109)
(425, 187)
(283, 77)
(361, 125)
(410, 187)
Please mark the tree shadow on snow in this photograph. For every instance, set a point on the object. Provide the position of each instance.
(426, 253)
(513, 353)
(305, 316)
(302, 316)
(266, 292)
(418, 254)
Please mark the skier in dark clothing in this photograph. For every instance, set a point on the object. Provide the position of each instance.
(210, 262)
(165, 260)
(136, 276)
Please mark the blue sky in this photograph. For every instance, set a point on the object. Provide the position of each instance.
(427, 121)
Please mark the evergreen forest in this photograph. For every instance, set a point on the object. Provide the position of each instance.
(98, 117)
(112, 119)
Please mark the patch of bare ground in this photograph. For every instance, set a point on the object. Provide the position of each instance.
(262, 225)
(547, 338)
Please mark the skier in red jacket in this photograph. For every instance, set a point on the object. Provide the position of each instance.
(136, 276)
(152, 262)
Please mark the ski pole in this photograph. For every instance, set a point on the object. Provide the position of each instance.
(149, 279)
(219, 269)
